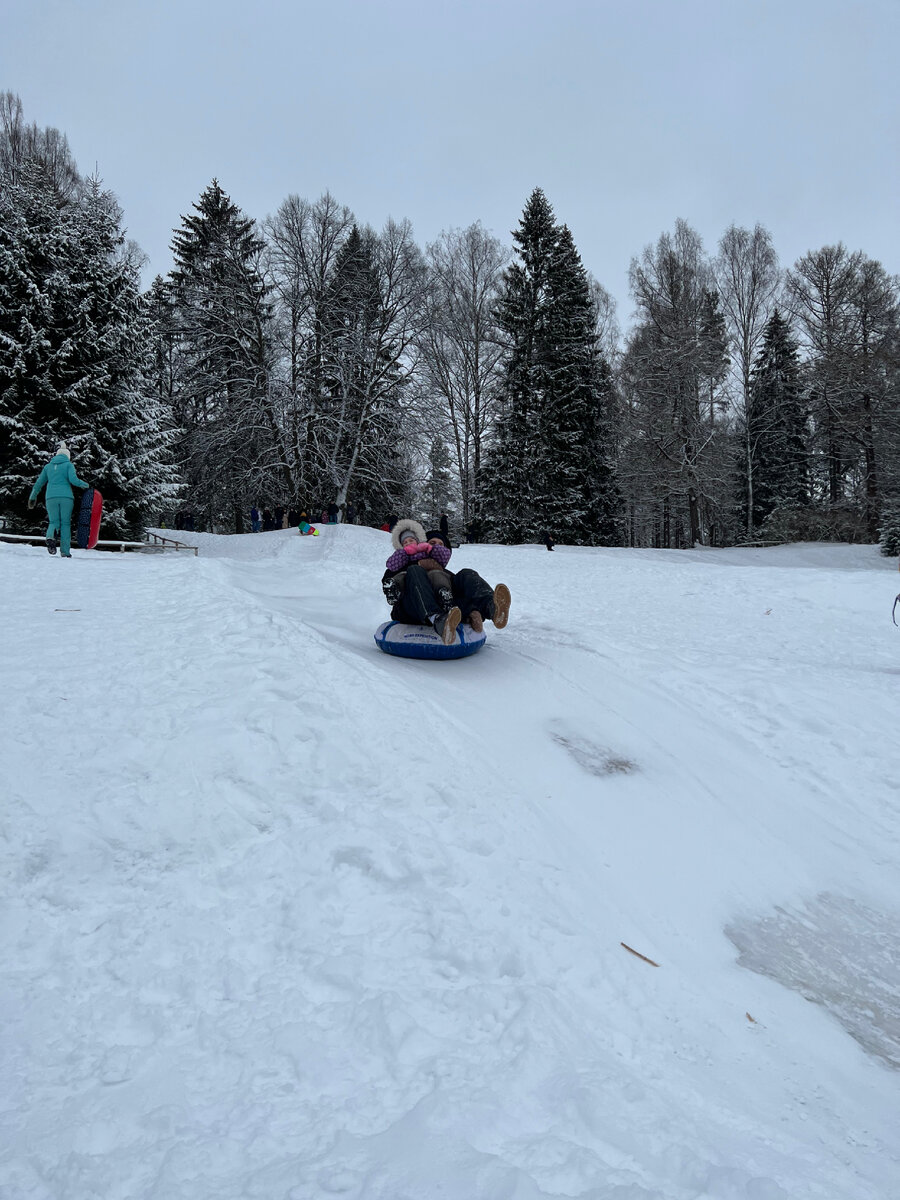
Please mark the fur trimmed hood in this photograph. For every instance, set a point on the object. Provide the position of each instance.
(402, 526)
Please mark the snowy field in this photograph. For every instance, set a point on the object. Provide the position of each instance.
(287, 919)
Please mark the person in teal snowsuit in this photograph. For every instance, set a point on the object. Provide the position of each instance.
(59, 475)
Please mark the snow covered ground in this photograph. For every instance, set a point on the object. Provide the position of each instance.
(287, 919)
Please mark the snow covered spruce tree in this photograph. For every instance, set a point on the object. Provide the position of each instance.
(550, 468)
(437, 492)
(232, 442)
(123, 433)
(889, 529)
(776, 472)
(74, 343)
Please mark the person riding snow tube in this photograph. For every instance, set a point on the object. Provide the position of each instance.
(416, 583)
(422, 591)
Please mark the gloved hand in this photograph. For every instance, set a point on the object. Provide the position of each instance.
(424, 547)
(392, 591)
(31, 502)
(411, 548)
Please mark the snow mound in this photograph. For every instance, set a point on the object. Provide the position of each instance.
(283, 919)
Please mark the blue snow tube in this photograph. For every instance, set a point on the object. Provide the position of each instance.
(420, 641)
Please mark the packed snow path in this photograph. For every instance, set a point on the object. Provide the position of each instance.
(287, 919)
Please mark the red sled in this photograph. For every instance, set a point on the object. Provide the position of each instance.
(89, 519)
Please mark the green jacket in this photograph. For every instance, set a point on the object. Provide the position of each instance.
(58, 475)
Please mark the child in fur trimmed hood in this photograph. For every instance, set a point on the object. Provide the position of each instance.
(416, 583)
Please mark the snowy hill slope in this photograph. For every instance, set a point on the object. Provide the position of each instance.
(287, 919)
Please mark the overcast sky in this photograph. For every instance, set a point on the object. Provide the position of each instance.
(628, 114)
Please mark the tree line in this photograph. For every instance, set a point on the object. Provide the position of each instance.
(309, 359)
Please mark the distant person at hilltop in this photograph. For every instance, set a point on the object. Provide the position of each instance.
(59, 477)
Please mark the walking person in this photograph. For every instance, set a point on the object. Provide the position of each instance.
(59, 477)
(255, 521)
(444, 526)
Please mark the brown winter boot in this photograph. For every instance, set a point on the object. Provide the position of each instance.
(445, 626)
(476, 622)
(502, 601)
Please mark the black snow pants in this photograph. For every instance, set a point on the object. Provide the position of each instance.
(472, 593)
(418, 601)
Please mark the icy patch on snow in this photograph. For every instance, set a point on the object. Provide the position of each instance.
(591, 757)
(837, 953)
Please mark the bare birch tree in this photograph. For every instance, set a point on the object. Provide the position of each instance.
(748, 280)
(460, 346)
(374, 311)
(304, 241)
(674, 365)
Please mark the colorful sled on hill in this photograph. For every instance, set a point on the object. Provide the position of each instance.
(89, 515)
(420, 641)
(307, 530)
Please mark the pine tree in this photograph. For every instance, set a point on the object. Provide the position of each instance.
(439, 482)
(73, 352)
(889, 530)
(35, 253)
(511, 487)
(232, 444)
(580, 501)
(125, 446)
(550, 468)
(776, 473)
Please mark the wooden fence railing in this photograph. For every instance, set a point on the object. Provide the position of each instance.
(154, 541)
